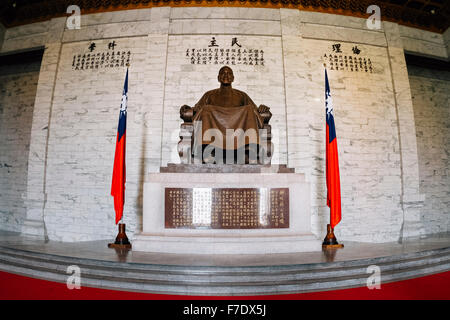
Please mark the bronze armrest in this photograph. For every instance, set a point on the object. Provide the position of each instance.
(186, 113)
(265, 113)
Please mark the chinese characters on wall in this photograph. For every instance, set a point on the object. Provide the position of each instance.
(179, 203)
(347, 59)
(234, 54)
(227, 208)
(98, 57)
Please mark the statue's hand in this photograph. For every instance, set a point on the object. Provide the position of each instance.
(262, 109)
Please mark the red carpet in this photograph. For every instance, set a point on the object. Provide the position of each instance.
(435, 287)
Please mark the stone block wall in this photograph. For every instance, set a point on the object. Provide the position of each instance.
(431, 101)
(81, 143)
(367, 137)
(186, 83)
(18, 85)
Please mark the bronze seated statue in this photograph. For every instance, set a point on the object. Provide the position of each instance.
(225, 126)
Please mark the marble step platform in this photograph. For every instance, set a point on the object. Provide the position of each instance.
(226, 243)
(224, 275)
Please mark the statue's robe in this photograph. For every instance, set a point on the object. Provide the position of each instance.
(228, 108)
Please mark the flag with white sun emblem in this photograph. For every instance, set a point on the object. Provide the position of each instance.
(118, 179)
(332, 162)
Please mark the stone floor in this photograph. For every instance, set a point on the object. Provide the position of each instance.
(98, 250)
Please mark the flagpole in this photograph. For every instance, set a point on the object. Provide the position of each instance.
(330, 241)
(121, 241)
(118, 184)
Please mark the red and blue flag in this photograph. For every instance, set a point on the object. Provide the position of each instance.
(118, 178)
(332, 162)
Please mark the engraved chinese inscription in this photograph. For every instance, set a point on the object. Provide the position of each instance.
(227, 208)
(341, 59)
(218, 54)
(99, 57)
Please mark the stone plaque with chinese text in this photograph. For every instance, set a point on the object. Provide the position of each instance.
(227, 208)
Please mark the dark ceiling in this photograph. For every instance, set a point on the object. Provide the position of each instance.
(433, 15)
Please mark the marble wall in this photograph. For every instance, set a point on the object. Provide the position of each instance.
(69, 169)
(17, 93)
(81, 142)
(431, 100)
(187, 82)
(367, 133)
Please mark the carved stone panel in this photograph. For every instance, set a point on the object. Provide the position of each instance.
(226, 208)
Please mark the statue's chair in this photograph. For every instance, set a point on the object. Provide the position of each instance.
(187, 136)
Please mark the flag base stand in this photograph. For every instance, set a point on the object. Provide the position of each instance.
(122, 241)
(330, 241)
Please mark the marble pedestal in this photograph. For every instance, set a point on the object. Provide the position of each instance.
(156, 238)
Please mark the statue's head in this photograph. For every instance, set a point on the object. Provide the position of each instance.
(225, 75)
